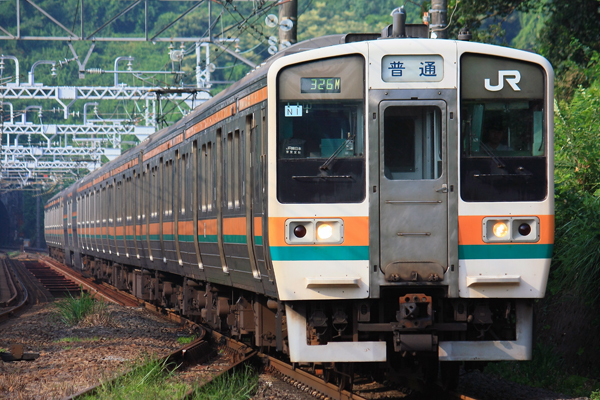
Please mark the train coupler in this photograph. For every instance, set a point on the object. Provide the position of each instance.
(416, 311)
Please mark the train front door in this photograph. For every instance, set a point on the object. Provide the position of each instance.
(413, 191)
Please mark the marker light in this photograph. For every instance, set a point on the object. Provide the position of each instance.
(300, 231)
(500, 229)
(524, 229)
(324, 231)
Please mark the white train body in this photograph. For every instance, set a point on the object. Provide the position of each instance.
(408, 221)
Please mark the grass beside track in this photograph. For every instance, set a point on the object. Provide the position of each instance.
(73, 310)
(154, 379)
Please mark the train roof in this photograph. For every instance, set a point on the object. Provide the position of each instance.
(258, 73)
(227, 96)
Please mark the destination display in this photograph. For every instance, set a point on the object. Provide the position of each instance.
(320, 85)
(412, 68)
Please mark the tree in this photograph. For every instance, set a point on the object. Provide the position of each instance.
(485, 18)
(569, 41)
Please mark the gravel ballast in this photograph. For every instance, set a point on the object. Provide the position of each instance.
(74, 358)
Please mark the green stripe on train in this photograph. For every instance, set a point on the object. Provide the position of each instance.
(504, 251)
(314, 253)
(207, 238)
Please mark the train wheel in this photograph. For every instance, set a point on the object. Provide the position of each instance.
(449, 374)
(345, 376)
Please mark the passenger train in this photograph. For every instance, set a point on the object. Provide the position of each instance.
(357, 200)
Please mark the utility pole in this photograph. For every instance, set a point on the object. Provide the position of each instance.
(38, 219)
(288, 10)
(439, 19)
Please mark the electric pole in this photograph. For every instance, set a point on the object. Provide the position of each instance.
(288, 10)
(439, 19)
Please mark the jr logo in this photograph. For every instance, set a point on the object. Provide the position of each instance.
(512, 77)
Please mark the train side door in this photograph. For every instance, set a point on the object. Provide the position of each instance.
(413, 191)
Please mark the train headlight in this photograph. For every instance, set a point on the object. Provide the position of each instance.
(324, 231)
(511, 229)
(330, 230)
(500, 229)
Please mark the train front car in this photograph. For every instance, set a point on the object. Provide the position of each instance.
(410, 201)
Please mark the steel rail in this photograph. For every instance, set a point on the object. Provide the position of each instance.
(10, 282)
(4, 315)
(309, 383)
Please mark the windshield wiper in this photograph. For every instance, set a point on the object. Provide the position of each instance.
(490, 153)
(322, 177)
(332, 158)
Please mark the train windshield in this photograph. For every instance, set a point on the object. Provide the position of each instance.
(503, 134)
(320, 132)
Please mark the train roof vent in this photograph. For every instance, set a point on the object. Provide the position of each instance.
(359, 37)
(412, 31)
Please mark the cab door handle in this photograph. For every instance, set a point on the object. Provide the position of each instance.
(443, 189)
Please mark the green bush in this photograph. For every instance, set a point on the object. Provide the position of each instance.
(73, 310)
(576, 265)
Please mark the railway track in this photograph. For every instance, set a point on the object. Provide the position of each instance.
(103, 291)
(57, 284)
(12, 284)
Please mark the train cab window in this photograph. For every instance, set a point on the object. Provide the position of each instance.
(320, 132)
(412, 142)
(503, 134)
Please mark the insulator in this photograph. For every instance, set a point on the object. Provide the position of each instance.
(94, 71)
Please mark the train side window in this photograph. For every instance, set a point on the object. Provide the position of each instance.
(166, 189)
(107, 207)
(150, 189)
(182, 172)
(203, 177)
(189, 176)
(136, 201)
(124, 194)
(172, 186)
(126, 197)
(121, 206)
(154, 192)
(229, 170)
(237, 163)
(208, 173)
